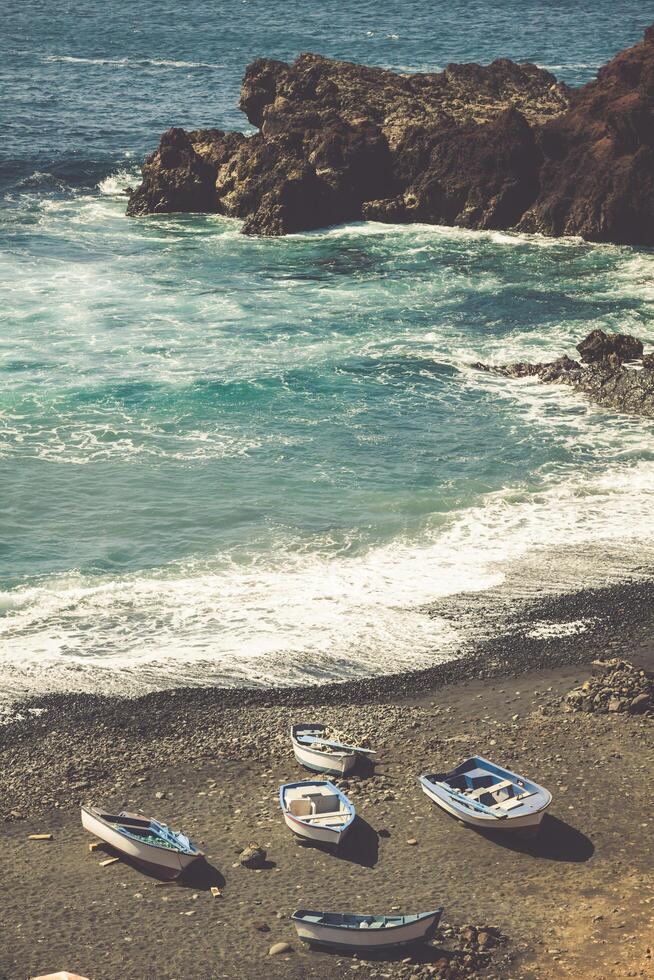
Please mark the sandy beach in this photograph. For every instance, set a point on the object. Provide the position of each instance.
(576, 902)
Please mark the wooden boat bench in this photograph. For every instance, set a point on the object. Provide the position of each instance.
(513, 801)
(476, 793)
(326, 817)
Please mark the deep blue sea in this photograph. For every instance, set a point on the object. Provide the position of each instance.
(237, 460)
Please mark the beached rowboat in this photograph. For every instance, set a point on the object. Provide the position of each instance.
(317, 811)
(488, 797)
(364, 932)
(315, 751)
(144, 841)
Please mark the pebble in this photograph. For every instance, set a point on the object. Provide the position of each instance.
(278, 948)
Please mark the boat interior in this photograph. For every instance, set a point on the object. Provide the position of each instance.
(489, 788)
(316, 804)
(312, 736)
(130, 820)
(147, 831)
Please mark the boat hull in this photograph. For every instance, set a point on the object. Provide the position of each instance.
(528, 823)
(320, 835)
(330, 763)
(332, 937)
(164, 863)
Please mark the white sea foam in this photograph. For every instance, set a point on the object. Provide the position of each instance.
(134, 63)
(542, 629)
(117, 183)
(572, 66)
(293, 617)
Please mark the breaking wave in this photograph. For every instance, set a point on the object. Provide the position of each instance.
(167, 63)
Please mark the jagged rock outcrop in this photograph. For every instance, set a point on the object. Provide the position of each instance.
(598, 345)
(598, 177)
(605, 377)
(500, 146)
(339, 142)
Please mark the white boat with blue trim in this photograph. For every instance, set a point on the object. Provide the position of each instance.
(317, 811)
(316, 750)
(147, 842)
(337, 930)
(488, 797)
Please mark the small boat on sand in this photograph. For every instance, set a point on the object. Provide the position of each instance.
(147, 842)
(364, 932)
(317, 810)
(488, 797)
(314, 750)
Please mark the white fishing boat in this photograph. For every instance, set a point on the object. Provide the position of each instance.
(147, 842)
(317, 811)
(364, 932)
(315, 750)
(488, 797)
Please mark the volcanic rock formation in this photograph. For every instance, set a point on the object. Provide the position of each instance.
(503, 146)
(606, 377)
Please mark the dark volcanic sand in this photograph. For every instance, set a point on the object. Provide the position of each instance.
(579, 902)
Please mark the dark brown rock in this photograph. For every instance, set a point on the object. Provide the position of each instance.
(474, 175)
(598, 345)
(497, 146)
(598, 176)
(604, 378)
(174, 179)
(641, 703)
(340, 141)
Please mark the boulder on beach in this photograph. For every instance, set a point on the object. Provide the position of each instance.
(617, 687)
(253, 856)
(499, 146)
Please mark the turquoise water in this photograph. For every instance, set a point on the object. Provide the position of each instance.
(252, 461)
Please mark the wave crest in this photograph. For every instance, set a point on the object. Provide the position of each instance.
(166, 63)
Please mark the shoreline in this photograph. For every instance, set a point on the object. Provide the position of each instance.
(576, 902)
(509, 653)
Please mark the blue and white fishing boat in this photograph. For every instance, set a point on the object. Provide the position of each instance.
(314, 750)
(487, 796)
(317, 810)
(149, 843)
(364, 932)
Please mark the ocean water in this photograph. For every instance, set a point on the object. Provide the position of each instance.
(246, 461)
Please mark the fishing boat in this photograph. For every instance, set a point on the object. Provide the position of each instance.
(364, 932)
(314, 750)
(489, 797)
(317, 811)
(147, 842)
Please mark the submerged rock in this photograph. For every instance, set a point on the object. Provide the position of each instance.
(497, 146)
(604, 378)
